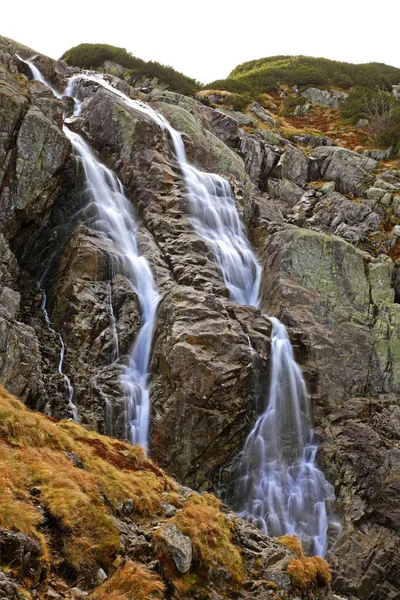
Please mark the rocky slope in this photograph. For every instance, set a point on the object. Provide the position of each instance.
(328, 252)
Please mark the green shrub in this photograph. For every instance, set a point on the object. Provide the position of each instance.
(382, 111)
(238, 101)
(363, 103)
(93, 56)
(290, 104)
(391, 135)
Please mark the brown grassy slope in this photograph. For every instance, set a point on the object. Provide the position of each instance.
(76, 479)
(63, 486)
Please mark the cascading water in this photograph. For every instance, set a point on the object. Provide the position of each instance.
(278, 486)
(115, 221)
(117, 224)
(213, 210)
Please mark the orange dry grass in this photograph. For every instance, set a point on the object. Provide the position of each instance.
(211, 535)
(309, 572)
(131, 582)
(34, 453)
(293, 543)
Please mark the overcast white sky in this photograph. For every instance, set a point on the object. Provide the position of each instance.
(206, 39)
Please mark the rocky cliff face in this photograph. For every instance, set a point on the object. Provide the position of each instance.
(320, 218)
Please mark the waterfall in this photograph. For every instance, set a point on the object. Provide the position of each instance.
(116, 223)
(278, 485)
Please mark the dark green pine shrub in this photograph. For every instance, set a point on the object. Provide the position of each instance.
(93, 56)
(238, 101)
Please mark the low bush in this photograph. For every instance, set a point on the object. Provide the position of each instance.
(309, 572)
(93, 56)
(238, 101)
(381, 109)
(132, 581)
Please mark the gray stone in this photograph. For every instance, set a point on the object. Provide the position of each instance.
(242, 119)
(179, 546)
(328, 187)
(396, 205)
(308, 139)
(379, 154)
(292, 165)
(302, 109)
(385, 185)
(323, 97)
(78, 593)
(262, 114)
(168, 509)
(386, 200)
(349, 170)
(375, 193)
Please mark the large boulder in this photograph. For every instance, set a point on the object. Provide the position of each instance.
(359, 452)
(334, 213)
(350, 171)
(209, 367)
(323, 97)
(345, 326)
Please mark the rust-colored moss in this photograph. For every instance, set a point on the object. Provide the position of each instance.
(307, 573)
(293, 543)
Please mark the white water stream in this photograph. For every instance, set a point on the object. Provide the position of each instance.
(278, 486)
(116, 222)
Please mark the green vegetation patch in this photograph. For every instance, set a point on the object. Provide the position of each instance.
(93, 56)
(264, 74)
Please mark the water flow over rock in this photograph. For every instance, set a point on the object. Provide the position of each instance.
(68, 385)
(278, 485)
(116, 222)
(212, 208)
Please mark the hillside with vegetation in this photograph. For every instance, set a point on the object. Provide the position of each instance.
(93, 56)
(264, 74)
(357, 106)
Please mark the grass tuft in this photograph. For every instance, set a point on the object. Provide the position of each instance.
(131, 582)
(293, 543)
(40, 483)
(309, 572)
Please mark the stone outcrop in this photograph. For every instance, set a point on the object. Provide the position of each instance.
(350, 171)
(207, 354)
(324, 97)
